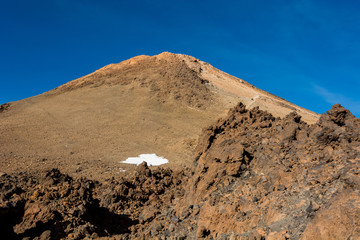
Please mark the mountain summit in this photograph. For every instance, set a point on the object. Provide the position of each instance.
(147, 104)
(189, 80)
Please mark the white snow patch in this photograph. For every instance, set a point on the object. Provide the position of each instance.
(150, 159)
(122, 170)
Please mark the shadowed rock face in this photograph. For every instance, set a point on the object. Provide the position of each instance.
(254, 177)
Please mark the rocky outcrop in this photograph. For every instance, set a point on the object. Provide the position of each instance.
(4, 107)
(254, 177)
(263, 177)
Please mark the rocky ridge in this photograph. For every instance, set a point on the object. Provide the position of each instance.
(254, 177)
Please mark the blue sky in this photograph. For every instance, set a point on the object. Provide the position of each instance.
(306, 51)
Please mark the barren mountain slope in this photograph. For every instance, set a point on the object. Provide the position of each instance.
(148, 104)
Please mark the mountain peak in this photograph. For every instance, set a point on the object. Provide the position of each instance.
(188, 80)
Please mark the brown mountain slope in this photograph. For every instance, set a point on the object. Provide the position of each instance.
(148, 104)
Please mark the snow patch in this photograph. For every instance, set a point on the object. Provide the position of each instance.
(150, 159)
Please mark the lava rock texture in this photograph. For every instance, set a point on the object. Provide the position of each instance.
(262, 177)
(254, 177)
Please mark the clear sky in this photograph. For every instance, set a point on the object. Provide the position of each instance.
(306, 51)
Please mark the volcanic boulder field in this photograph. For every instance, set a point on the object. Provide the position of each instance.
(239, 163)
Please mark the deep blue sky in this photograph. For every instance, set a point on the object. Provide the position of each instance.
(306, 51)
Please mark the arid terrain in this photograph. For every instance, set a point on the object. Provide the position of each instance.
(148, 104)
(243, 164)
(254, 177)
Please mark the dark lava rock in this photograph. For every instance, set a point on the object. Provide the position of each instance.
(4, 107)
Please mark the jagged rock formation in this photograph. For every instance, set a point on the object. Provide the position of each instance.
(255, 177)
(263, 177)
